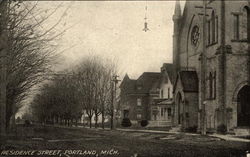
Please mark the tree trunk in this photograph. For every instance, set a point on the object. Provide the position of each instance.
(76, 122)
(13, 123)
(111, 121)
(96, 120)
(103, 119)
(90, 121)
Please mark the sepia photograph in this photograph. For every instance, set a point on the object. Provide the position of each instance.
(125, 78)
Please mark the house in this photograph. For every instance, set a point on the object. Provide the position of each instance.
(149, 97)
(162, 98)
(212, 82)
(134, 96)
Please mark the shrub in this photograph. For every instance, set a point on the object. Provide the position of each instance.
(27, 123)
(222, 129)
(126, 122)
(192, 129)
(144, 123)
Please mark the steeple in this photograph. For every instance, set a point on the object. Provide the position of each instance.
(177, 24)
(177, 11)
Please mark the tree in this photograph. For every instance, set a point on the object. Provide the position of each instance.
(96, 77)
(31, 51)
(72, 93)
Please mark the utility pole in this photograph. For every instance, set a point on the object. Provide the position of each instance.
(114, 83)
(203, 69)
(3, 68)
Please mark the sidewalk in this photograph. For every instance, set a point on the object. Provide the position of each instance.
(155, 131)
(224, 137)
(229, 138)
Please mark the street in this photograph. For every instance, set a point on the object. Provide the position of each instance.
(58, 141)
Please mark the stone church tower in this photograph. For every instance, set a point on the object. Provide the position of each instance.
(226, 85)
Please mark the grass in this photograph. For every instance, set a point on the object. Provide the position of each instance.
(126, 143)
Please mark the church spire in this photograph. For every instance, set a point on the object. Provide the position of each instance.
(177, 11)
(177, 22)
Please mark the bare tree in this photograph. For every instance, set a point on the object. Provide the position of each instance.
(31, 50)
(85, 90)
(95, 75)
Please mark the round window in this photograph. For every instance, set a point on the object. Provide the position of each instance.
(195, 35)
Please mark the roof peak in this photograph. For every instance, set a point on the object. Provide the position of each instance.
(177, 11)
(126, 76)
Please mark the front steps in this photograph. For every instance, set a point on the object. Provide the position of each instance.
(175, 129)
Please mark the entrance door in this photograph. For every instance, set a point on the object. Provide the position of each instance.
(178, 101)
(243, 108)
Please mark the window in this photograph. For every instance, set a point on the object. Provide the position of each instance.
(169, 113)
(213, 27)
(168, 93)
(208, 32)
(162, 93)
(214, 85)
(138, 116)
(166, 80)
(246, 24)
(242, 25)
(216, 29)
(210, 85)
(162, 112)
(236, 27)
(138, 101)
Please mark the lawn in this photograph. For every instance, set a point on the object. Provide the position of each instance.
(70, 142)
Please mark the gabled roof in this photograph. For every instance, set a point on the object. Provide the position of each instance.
(147, 80)
(189, 81)
(142, 85)
(127, 84)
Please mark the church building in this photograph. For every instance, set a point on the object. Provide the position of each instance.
(211, 57)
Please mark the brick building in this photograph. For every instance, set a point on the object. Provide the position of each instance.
(149, 97)
(134, 96)
(224, 93)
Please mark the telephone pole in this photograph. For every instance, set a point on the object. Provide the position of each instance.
(113, 99)
(3, 68)
(203, 72)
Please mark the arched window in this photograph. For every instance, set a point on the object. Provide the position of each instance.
(210, 85)
(245, 28)
(208, 32)
(236, 27)
(213, 27)
(246, 15)
(214, 85)
(216, 29)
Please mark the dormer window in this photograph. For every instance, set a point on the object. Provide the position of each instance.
(139, 85)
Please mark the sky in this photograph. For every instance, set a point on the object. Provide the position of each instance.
(113, 29)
